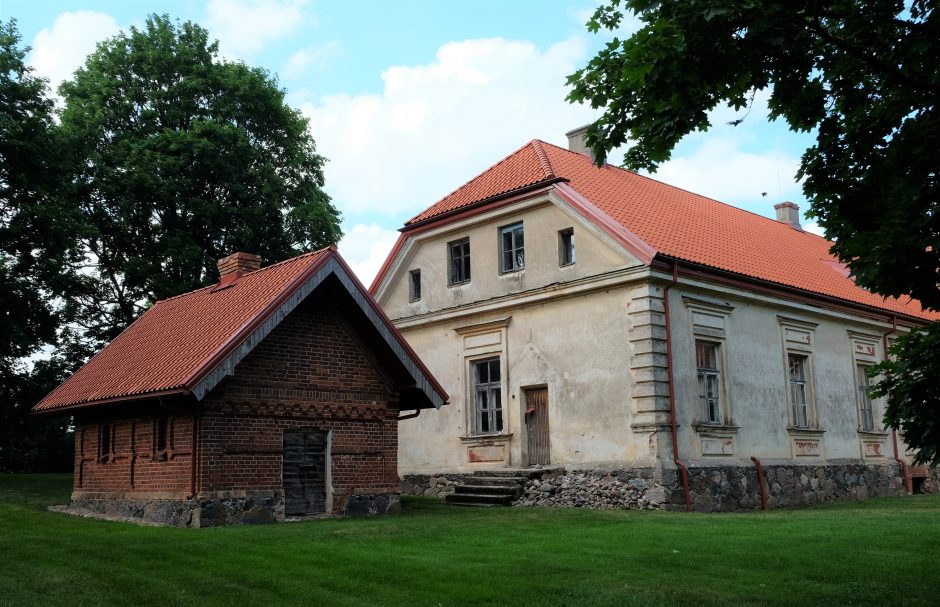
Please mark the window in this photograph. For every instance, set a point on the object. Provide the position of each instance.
(511, 248)
(458, 253)
(414, 285)
(161, 437)
(709, 381)
(866, 414)
(796, 365)
(566, 247)
(488, 406)
(105, 442)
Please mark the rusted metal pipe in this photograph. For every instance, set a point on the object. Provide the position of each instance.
(672, 391)
(410, 415)
(195, 444)
(761, 483)
(905, 471)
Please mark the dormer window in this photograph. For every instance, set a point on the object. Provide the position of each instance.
(511, 248)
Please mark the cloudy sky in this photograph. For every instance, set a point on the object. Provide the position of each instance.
(410, 99)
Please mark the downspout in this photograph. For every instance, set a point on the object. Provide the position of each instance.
(761, 482)
(672, 390)
(410, 415)
(192, 480)
(905, 471)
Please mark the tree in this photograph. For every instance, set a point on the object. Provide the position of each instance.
(862, 74)
(35, 246)
(179, 159)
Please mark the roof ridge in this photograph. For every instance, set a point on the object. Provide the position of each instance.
(469, 181)
(648, 178)
(268, 267)
(543, 159)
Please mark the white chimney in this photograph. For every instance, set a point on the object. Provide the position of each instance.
(577, 142)
(788, 213)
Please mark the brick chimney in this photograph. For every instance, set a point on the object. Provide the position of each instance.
(577, 142)
(237, 264)
(788, 213)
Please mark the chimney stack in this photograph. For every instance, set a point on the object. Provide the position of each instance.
(789, 213)
(238, 263)
(577, 142)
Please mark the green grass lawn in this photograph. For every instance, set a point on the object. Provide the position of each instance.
(879, 552)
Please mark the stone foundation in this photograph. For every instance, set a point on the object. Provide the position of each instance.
(254, 509)
(712, 488)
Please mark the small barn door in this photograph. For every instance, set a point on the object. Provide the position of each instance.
(304, 470)
(536, 401)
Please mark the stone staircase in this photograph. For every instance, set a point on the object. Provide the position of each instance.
(492, 487)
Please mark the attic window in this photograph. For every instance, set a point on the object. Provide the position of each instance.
(566, 247)
(414, 285)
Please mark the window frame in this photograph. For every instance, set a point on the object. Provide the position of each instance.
(461, 261)
(804, 383)
(106, 431)
(511, 230)
(483, 392)
(566, 250)
(414, 285)
(710, 408)
(862, 397)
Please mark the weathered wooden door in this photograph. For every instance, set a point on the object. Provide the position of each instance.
(536, 400)
(304, 471)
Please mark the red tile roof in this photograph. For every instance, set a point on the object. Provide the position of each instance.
(677, 224)
(179, 340)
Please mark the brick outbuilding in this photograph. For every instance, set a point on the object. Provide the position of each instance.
(273, 394)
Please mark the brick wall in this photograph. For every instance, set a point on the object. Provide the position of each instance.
(312, 371)
(133, 465)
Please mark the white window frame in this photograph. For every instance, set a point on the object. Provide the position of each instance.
(798, 391)
(484, 392)
(515, 254)
(710, 402)
(458, 265)
(866, 406)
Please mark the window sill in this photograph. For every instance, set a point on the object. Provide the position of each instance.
(511, 272)
(487, 438)
(456, 284)
(807, 431)
(715, 428)
(872, 433)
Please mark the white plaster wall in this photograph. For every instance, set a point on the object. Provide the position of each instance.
(755, 381)
(576, 346)
(542, 221)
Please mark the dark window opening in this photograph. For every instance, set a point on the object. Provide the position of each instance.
(161, 437)
(566, 247)
(414, 285)
(458, 253)
(709, 381)
(105, 442)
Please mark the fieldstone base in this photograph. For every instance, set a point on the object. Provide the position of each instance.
(711, 488)
(370, 505)
(170, 512)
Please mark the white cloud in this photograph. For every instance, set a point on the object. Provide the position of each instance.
(244, 27)
(814, 228)
(435, 126)
(718, 168)
(60, 50)
(365, 247)
(316, 55)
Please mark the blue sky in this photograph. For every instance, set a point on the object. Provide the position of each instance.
(410, 99)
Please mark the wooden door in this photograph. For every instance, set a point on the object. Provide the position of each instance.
(304, 471)
(536, 418)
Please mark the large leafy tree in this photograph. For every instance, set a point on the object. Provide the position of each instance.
(180, 158)
(35, 243)
(863, 75)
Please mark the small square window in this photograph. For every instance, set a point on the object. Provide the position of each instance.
(414, 285)
(458, 258)
(566, 247)
(512, 248)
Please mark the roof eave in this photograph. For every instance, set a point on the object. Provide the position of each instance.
(111, 400)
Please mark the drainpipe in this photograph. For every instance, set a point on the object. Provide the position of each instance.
(672, 390)
(761, 483)
(410, 415)
(192, 480)
(905, 471)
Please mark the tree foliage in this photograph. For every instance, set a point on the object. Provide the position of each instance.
(34, 248)
(862, 75)
(180, 159)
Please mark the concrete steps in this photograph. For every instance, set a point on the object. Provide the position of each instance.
(492, 487)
